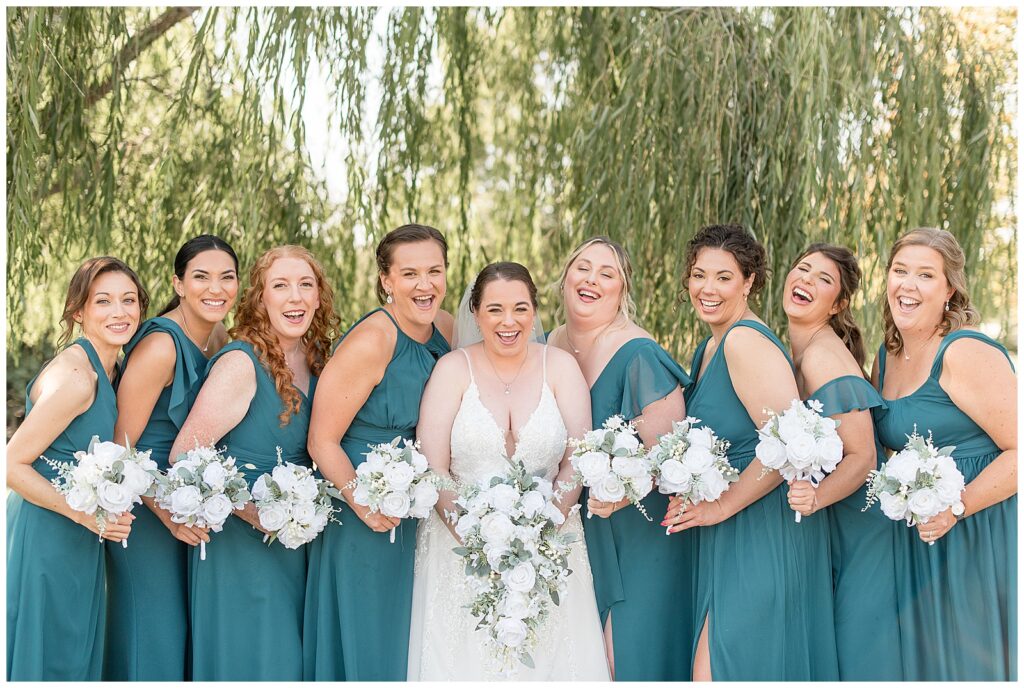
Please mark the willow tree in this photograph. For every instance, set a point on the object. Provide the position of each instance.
(518, 131)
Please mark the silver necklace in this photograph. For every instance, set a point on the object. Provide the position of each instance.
(906, 351)
(508, 385)
(184, 322)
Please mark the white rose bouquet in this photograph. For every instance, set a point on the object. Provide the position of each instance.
(293, 505)
(106, 480)
(516, 560)
(917, 483)
(691, 462)
(611, 461)
(801, 444)
(202, 488)
(396, 481)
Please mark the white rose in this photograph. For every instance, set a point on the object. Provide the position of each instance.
(214, 475)
(503, 498)
(361, 495)
(593, 466)
(273, 516)
(419, 462)
(306, 488)
(610, 489)
(893, 505)
(698, 459)
(284, 476)
(216, 509)
(903, 467)
(510, 632)
(465, 524)
(87, 471)
(515, 605)
(790, 425)
(494, 552)
(520, 578)
(632, 468)
(497, 528)
(948, 491)
(554, 513)
(770, 452)
(136, 480)
(831, 450)
(625, 441)
(544, 487)
(395, 504)
(303, 512)
(424, 495)
(801, 450)
(533, 503)
(106, 453)
(82, 498)
(712, 485)
(703, 437)
(399, 475)
(113, 497)
(186, 500)
(924, 504)
(674, 477)
(260, 490)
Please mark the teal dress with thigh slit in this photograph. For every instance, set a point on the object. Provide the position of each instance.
(359, 593)
(764, 581)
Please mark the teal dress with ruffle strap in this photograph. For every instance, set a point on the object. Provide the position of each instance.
(764, 581)
(56, 592)
(957, 599)
(359, 592)
(863, 566)
(147, 583)
(642, 577)
(246, 598)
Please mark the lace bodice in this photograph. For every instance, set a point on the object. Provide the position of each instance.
(478, 444)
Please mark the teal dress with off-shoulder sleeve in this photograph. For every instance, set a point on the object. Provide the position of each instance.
(642, 578)
(863, 565)
(957, 599)
(359, 593)
(246, 598)
(764, 581)
(56, 570)
(147, 583)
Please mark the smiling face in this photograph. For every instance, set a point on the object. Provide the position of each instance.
(917, 289)
(812, 289)
(505, 317)
(112, 312)
(209, 286)
(290, 296)
(594, 285)
(716, 286)
(416, 281)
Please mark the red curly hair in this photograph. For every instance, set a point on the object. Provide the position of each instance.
(253, 326)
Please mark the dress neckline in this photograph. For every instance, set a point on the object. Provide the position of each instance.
(181, 330)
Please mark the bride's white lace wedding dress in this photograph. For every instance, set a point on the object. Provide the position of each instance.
(443, 643)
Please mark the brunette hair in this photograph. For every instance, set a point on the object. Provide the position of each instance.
(961, 313)
(406, 234)
(252, 325)
(627, 306)
(510, 272)
(81, 283)
(737, 240)
(849, 281)
(189, 250)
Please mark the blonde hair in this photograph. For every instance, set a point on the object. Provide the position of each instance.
(627, 307)
(961, 313)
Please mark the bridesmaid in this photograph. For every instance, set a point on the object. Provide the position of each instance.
(828, 352)
(147, 612)
(643, 579)
(56, 595)
(359, 593)
(957, 600)
(246, 599)
(764, 595)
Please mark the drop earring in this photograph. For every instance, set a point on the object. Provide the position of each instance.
(947, 305)
(389, 299)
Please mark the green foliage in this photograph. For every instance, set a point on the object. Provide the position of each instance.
(518, 132)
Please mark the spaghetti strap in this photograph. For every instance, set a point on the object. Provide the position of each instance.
(544, 365)
(470, 364)
(390, 317)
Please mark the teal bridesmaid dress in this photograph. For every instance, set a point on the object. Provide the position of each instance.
(642, 577)
(863, 565)
(764, 581)
(957, 599)
(359, 594)
(147, 583)
(246, 599)
(56, 598)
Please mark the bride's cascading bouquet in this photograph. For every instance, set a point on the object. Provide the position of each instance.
(106, 480)
(801, 444)
(917, 483)
(691, 462)
(201, 489)
(516, 560)
(294, 505)
(396, 481)
(611, 461)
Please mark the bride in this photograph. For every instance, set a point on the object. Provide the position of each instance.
(503, 399)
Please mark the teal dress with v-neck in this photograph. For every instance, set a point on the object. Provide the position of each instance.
(56, 593)
(147, 583)
(246, 598)
(764, 581)
(863, 565)
(957, 599)
(359, 593)
(642, 577)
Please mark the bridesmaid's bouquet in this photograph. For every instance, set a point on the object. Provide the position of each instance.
(395, 481)
(917, 483)
(801, 444)
(611, 461)
(105, 480)
(690, 462)
(516, 560)
(202, 488)
(294, 505)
